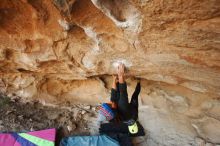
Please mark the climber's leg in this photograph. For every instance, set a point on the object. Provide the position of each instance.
(134, 98)
(134, 101)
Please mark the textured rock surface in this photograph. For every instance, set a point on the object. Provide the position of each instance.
(63, 51)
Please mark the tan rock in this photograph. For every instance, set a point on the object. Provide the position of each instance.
(200, 142)
(208, 128)
(209, 144)
(65, 51)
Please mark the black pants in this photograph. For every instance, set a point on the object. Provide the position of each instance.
(126, 110)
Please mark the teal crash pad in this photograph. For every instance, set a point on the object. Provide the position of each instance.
(101, 140)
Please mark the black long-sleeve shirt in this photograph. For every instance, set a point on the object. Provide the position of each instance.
(120, 128)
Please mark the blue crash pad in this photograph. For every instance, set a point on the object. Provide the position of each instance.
(101, 140)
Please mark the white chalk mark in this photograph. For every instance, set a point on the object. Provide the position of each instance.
(64, 24)
(121, 60)
(93, 35)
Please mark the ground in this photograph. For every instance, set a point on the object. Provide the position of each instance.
(20, 117)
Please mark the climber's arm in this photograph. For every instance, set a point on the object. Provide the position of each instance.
(121, 79)
(114, 82)
(114, 97)
(123, 104)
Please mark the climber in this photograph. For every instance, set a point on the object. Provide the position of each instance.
(119, 95)
(128, 112)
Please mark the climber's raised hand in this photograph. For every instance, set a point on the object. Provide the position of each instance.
(121, 72)
(121, 69)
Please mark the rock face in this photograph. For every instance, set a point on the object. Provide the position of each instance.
(63, 51)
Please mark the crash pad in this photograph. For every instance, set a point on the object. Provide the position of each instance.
(101, 140)
(34, 138)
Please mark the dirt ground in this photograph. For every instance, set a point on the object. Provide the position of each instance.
(17, 116)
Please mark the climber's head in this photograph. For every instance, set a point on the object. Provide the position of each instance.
(105, 113)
